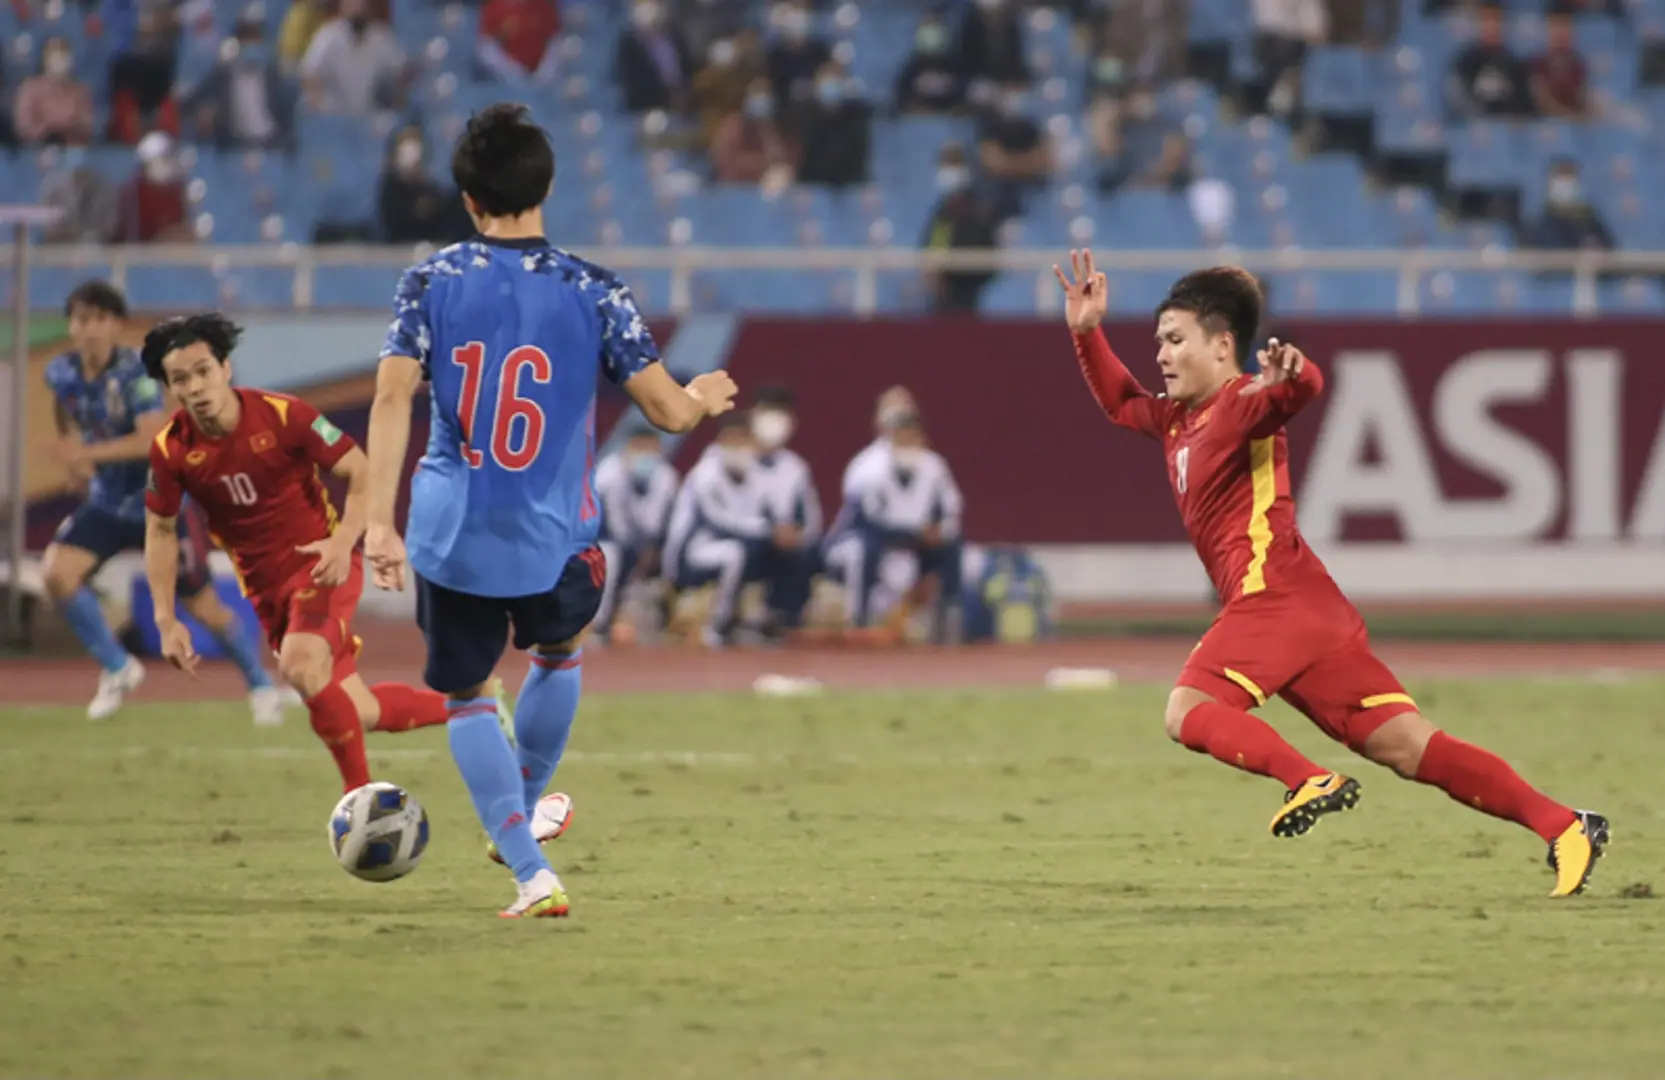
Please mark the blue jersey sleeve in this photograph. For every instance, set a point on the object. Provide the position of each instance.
(626, 345)
(410, 333)
(60, 376)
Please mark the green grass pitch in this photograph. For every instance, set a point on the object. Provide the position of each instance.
(935, 885)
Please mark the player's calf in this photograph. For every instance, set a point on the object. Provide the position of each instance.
(307, 663)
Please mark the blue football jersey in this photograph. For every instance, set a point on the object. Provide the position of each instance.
(511, 335)
(105, 407)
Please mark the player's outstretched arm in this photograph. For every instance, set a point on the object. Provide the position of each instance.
(162, 571)
(1118, 393)
(397, 379)
(674, 408)
(133, 447)
(1287, 382)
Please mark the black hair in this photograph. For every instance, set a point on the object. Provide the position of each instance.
(1223, 298)
(211, 328)
(98, 295)
(503, 161)
(778, 397)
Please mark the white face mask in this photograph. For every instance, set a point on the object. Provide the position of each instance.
(907, 457)
(160, 171)
(646, 16)
(408, 155)
(59, 64)
(722, 53)
(736, 458)
(641, 465)
(771, 429)
(1563, 190)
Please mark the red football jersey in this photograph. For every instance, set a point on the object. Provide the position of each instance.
(1228, 463)
(259, 485)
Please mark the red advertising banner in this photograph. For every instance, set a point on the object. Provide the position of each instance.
(1427, 431)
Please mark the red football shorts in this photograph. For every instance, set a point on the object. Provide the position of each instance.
(1316, 657)
(305, 607)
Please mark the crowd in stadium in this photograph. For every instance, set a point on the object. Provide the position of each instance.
(1061, 113)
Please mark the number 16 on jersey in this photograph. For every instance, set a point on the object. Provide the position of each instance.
(515, 430)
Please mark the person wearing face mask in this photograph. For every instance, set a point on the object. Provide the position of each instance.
(412, 206)
(1568, 221)
(152, 204)
(242, 101)
(516, 45)
(909, 515)
(929, 83)
(652, 61)
(990, 44)
(1015, 153)
(354, 65)
(719, 534)
(786, 490)
(841, 549)
(795, 56)
(721, 86)
(962, 219)
(52, 107)
(636, 487)
(837, 133)
(749, 143)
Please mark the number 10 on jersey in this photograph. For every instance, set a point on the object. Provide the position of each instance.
(512, 449)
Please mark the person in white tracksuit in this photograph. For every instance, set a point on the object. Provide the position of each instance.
(636, 487)
(786, 491)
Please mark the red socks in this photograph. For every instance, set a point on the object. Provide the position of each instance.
(1247, 743)
(1484, 781)
(405, 708)
(335, 719)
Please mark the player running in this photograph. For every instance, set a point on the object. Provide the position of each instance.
(108, 411)
(1284, 628)
(509, 331)
(251, 459)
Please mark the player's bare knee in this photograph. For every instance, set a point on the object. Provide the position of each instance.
(1400, 742)
(62, 575)
(1180, 703)
(305, 665)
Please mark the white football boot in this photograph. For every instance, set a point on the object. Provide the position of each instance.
(541, 898)
(267, 704)
(113, 688)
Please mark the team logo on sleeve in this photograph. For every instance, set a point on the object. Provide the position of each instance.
(326, 431)
(146, 391)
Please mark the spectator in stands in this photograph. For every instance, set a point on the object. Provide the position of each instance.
(53, 106)
(142, 77)
(1148, 149)
(85, 199)
(152, 203)
(703, 22)
(1363, 22)
(796, 57)
(1284, 30)
(930, 82)
(412, 206)
(652, 63)
(1106, 97)
(1560, 81)
(1149, 38)
(721, 86)
(1486, 78)
(244, 100)
(837, 132)
(301, 24)
(516, 45)
(990, 45)
(1568, 221)
(1015, 153)
(749, 143)
(354, 66)
(963, 219)
(8, 137)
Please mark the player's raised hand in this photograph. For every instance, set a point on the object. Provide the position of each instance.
(335, 560)
(1087, 297)
(386, 552)
(177, 647)
(715, 390)
(1279, 362)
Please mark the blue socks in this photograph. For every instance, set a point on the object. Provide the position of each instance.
(240, 644)
(86, 618)
(544, 711)
(488, 767)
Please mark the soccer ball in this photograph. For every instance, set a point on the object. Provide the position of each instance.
(378, 832)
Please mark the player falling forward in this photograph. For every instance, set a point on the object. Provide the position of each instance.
(1284, 628)
(251, 459)
(510, 332)
(108, 411)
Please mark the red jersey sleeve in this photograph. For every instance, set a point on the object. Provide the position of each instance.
(163, 491)
(1259, 413)
(309, 430)
(1117, 392)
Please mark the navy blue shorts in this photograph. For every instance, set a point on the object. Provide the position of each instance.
(95, 529)
(466, 634)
